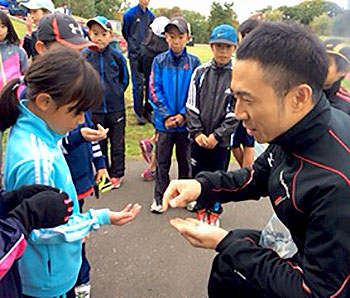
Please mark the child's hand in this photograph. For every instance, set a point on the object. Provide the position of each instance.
(179, 119)
(126, 215)
(100, 173)
(29, 22)
(98, 134)
(170, 122)
(202, 140)
(212, 141)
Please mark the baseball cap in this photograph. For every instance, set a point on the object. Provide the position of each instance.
(158, 25)
(40, 4)
(224, 34)
(338, 47)
(64, 29)
(180, 23)
(102, 21)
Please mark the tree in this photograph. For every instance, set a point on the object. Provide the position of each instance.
(341, 25)
(322, 24)
(199, 26)
(221, 15)
(273, 15)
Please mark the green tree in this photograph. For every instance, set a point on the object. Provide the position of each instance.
(199, 26)
(221, 15)
(322, 24)
(273, 15)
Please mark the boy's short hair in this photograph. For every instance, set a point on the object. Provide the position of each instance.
(180, 23)
(63, 29)
(100, 20)
(340, 49)
(40, 4)
(247, 26)
(289, 56)
(223, 34)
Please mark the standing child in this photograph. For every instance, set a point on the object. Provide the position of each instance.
(37, 9)
(169, 83)
(210, 118)
(111, 65)
(56, 102)
(13, 60)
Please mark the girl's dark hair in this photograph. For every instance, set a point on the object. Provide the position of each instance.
(64, 74)
(11, 33)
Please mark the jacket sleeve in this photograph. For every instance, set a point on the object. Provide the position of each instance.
(124, 73)
(158, 97)
(229, 124)
(126, 26)
(71, 141)
(23, 60)
(98, 158)
(79, 224)
(322, 271)
(240, 185)
(194, 123)
(12, 243)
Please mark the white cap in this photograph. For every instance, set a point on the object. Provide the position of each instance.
(40, 4)
(158, 25)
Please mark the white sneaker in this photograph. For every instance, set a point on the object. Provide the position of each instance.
(190, 206)
(155, 208)
(82, 291)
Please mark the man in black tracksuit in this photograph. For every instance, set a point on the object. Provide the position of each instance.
(277, 82)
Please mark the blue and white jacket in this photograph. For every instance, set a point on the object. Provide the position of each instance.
(135, 25)
(169, 83)
(81, 155)
(52, 260)
(111, 65)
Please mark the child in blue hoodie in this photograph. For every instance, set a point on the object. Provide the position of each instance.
(55, 104)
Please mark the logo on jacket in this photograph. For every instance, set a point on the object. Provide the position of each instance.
(186, 66)
(270, 160)
(285, 186)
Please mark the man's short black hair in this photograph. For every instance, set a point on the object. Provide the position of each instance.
(288, 54)
(247, 26)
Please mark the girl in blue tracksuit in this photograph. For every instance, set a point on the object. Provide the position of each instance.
(61, 86)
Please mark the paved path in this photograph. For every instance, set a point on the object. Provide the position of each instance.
(148, 258)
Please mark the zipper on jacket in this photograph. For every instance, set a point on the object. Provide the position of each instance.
(213, 102)
(101, 66)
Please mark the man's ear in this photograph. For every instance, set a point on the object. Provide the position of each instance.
(43, 101)
(301, 97)
(40, 47)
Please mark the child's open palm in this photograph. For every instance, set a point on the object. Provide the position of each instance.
(125, 216)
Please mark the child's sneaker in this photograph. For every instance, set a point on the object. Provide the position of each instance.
(201, 215)
(146, 149)
(213, 219)
(148, 175)
(155, 208)
(104, 185)
(82, 291)
(116, 182)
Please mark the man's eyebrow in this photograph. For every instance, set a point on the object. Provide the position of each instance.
(241, 93)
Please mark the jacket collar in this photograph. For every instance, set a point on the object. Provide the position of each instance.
(308, 130)
(31, 123)
(214, 65)
(177, 57)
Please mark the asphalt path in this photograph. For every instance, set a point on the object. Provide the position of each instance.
(148, 258)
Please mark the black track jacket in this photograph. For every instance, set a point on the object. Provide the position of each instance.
(306, 174)
(209, 107)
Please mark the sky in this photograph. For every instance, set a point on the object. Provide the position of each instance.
(243, 8)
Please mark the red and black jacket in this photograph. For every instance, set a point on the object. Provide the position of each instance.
(306, 174)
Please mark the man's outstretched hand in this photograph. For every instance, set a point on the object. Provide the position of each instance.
(181, 192)
(199, 234)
